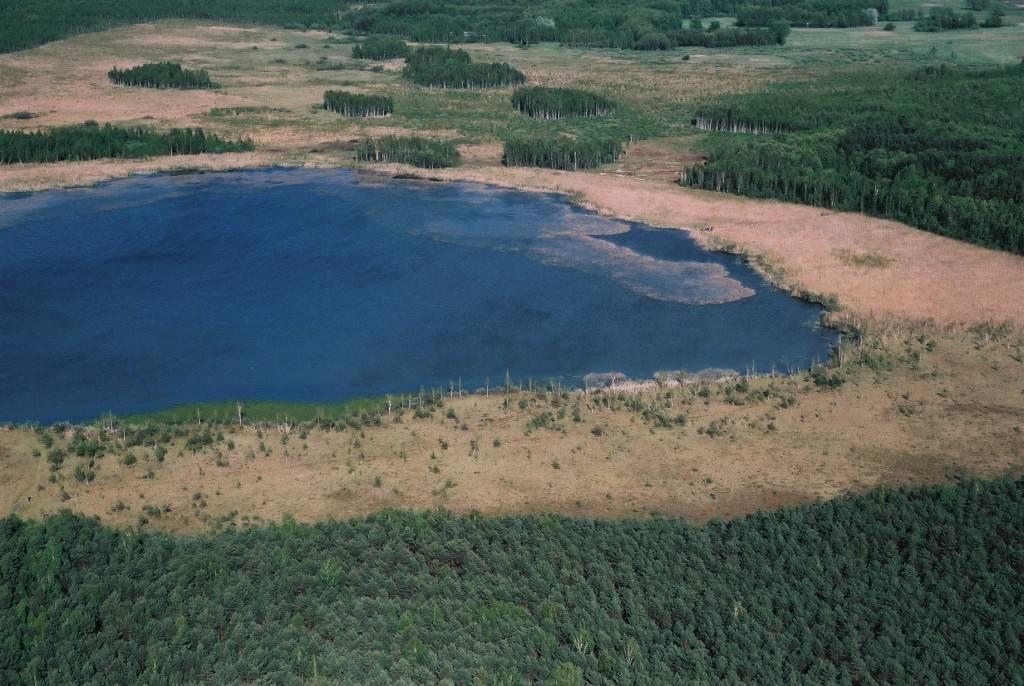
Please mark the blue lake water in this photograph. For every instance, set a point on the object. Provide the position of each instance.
(301, 285)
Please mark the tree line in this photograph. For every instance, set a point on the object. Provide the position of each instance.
(714, 36)
(560, 152)
(414, 150)
(380, 48)
(358, 104)
(90, 141)
(557, 103)
(815, 14)
(879, 145)
(944, 19)
(912, 585)
(641, 25)
(439, 67)
(608, 23)
(161, 75)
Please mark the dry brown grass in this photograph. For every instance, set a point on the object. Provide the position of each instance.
(951, 407)
(928, 278)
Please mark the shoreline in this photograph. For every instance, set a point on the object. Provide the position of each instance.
(806, 251)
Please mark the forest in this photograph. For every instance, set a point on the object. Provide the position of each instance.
(916, 585)
(818, 15)
(441, 67)
(642, 24)
(358, 104)
(161, 75)
(560, 152)
(414, 150)
(380, 48)
(881, 146)
(944, 19)
(539, 102)
(90, 141)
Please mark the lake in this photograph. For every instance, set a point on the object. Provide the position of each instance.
(323, 285)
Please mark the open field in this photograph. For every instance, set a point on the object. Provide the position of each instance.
(914, 409)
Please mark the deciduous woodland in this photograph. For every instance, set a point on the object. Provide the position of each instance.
(90, 141)
(909, 585)
(161, 75)
(883, 147)
(358, 104)
(414, 150)
(556, 103)
(560, 153)
(440, 67)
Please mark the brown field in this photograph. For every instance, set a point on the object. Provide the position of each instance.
(948, 402)
(936, 407)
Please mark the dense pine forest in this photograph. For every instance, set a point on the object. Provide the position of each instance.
(939, 148)
(162, 75)
(357, 104)
(557, 103)
(414, 150)
(90, 141)
(909, 586)
(439, 67)
(560, 153)
(643, 24)
(380, 48)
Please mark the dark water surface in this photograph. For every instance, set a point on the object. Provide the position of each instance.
(323, 285)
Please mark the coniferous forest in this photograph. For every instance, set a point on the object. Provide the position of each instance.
(883, 147)
(560, 153)
(439, 67)
(414, 150)
(641, 25)
(161, 75)
(358, 104)
(909, 586)
(380, 48)
(557, 103)
(90, 141)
